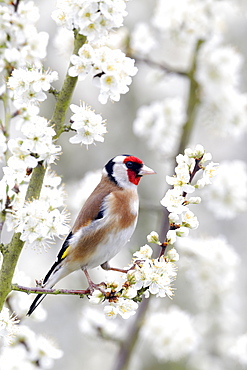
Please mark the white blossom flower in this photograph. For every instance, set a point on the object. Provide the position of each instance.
(171, 236)
(181, 179)
(37, 146)
(89, 126)
(111, 70)
(93, 19)
(8, 327)
(96, 297)
(110, 311)
(189, 220)
(194, 200)
(197, 153)
(29, 85)
(21, 43)
(123, 307)
(39, 224)
(182, 231)
(209, 172)
(173, 218)
(126, 307)
(153, 237)
(173, 255)
(154, 274)
(21, 158)
(144, 252)
(79, 68)
(174, 201)
(38, 137)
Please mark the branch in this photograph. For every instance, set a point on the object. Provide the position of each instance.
(37, 290)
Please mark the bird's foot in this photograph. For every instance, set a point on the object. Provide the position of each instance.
(92, 287)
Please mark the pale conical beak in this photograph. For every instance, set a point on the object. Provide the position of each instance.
(145, 170)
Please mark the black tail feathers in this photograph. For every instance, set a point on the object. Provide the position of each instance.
(55, 267)
(39, 298)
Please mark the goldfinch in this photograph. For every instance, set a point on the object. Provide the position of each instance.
(104, 225)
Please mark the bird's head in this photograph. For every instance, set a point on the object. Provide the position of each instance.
(126, 170)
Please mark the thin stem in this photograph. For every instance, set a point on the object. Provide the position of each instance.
(161, 66)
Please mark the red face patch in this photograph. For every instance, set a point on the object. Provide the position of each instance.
(133, 171)
(133, 178)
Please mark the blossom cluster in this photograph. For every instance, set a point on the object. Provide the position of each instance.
(93, 19)
(181, 218)
(37, 145)
(111, 69)
(146, 276)
(89, 126)
(160, 124)
(21, 43)
(39, 224)
(43, 219)
(29, 85)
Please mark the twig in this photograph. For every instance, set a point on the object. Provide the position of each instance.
(16, 4)
(161, 66)
(37, 290)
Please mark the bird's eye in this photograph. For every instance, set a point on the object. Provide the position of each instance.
(129, 165)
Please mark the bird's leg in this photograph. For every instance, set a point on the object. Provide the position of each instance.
(107, 267)
(92, 285)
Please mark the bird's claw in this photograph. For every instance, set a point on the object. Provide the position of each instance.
(92, 287)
